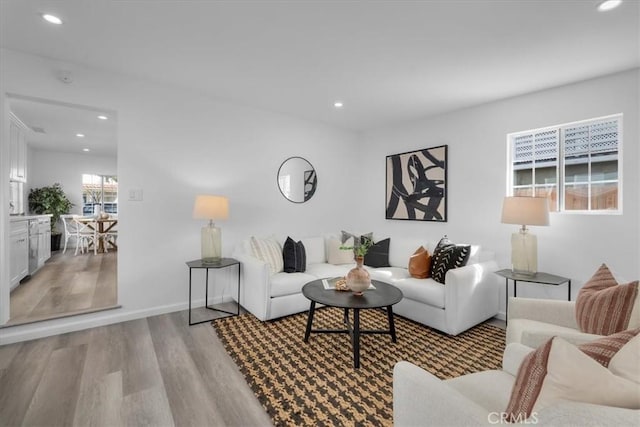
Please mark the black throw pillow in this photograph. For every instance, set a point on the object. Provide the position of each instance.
(378, 254)
(294, 256)
(446, 256)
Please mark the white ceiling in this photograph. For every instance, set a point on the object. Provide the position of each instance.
(57, 125)
(388, 61)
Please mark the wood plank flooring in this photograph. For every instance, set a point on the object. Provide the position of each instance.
(66, 284)
(155, 371)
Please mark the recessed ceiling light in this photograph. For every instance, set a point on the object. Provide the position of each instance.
(608, 5)
(103, 117)
(85, 149)
(51, 19)
(338, 104)
(80, 135)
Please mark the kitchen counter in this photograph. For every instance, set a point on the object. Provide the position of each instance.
(13, 218)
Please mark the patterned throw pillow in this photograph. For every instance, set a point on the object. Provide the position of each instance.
(268, 251)
(294, 256)
(446, 256)
(378, 254)
(420, 264)
(604, 307)
(558, 370)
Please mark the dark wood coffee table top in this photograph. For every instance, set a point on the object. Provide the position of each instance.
(383, 295)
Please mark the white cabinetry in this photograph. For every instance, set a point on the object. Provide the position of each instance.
(44, 240)
(17, 149)
(19, 251)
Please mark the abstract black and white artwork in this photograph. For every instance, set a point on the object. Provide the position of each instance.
(417, 185)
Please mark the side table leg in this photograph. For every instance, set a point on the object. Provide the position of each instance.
(312, 309)
(356, 338)
(206, 289)
(392, 325)
(506, 301)
(569, 292)
(190, 297)
(238, 289)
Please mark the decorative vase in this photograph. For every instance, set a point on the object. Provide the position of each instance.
(358, 278)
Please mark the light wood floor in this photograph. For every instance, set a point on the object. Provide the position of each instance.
(156, 371)
(66, 284)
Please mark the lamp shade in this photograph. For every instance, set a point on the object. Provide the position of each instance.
(211, 207)
(525, 210)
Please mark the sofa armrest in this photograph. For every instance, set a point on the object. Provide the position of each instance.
(536, 338)
(556, 312)
(256, 286)
(471, 296)
(513, 356)
(420, 398)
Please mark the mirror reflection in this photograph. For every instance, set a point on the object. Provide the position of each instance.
(64, 259)
(297, 179)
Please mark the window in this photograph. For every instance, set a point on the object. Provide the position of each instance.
(99, 194)
(576, 166)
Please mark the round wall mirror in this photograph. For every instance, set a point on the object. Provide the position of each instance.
(297, 179)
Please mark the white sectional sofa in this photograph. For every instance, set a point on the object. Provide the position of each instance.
(468, 297)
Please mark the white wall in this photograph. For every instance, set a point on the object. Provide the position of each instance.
(574, 245)
(49, 167)
(173, 145)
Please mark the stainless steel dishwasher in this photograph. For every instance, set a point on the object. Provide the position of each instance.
(34, 238)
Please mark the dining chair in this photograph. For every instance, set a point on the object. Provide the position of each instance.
(87, 234)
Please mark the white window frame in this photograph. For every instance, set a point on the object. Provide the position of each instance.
(560, 171)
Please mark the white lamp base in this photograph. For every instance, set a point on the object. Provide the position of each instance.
(211, 240)
(524, 253)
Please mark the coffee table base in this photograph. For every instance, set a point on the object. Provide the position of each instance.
(354, 330)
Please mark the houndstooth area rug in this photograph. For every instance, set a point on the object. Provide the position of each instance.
(314, 383)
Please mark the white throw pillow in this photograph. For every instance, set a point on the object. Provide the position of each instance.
(268, 251)
(337, 256)
(626, 362)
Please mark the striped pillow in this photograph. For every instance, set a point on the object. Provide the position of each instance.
(604, 307)
(268, 251)
(557, 370)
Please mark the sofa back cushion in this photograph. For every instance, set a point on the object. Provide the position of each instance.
(314, 247)
(402, 248)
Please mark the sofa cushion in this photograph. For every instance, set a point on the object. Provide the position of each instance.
(401, 249)
(388, 274)
(420, 264)
(338, 256)
(378, 254)
(314, 247)
(603, 306)
(559, 371)
(534, 333)
(489, 389)
(294, 256)
(268, 251)
(625, 362)
(426, 291)
(324, 270)
(283, 284)
(448, 255)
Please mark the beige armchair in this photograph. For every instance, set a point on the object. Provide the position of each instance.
(533, 321)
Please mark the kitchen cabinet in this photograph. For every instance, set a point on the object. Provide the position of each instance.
(19, 251)
(44, 240)
(17, 149)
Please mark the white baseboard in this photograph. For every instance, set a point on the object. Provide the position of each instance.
(80, 322)
(501, 315)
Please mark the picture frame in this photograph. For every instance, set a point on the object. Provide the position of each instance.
(416, 185)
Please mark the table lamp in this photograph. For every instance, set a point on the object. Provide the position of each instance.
(524, 245)
(211, 208)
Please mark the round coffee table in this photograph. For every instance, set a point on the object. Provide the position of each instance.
(384, 295)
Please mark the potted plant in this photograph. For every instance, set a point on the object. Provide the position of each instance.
(50, 201)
